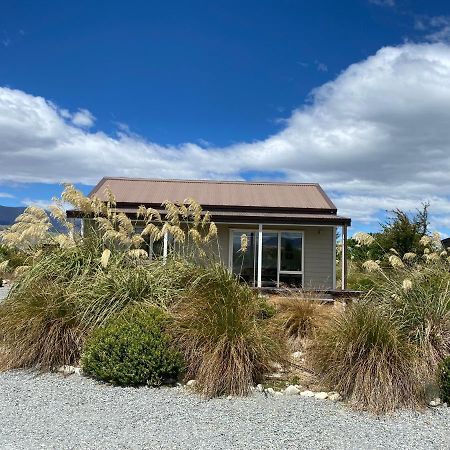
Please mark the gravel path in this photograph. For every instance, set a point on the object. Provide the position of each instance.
(53, 412)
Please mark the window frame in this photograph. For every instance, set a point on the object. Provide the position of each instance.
(269, 230)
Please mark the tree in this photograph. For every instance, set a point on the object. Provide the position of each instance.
(403, 232)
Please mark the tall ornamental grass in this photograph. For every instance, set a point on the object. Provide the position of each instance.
(72, 284)
(226, 346)
(363, 353)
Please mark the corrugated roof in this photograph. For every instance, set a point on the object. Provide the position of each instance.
(227, 194)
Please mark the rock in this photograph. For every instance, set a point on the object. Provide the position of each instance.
(307, 394)
(334, 396)
(67, 370)
(435, 402)
(321, 395)
(191, 383)
(297, 355)
(229, 397)
(278, 394)
(270, 391)
(78, 371)
(292, 390)
(259, 387)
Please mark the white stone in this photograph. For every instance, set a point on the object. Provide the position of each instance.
(297, 355)
(278, 394)
(67, 370)
(78, 371)
(292, 390)
(307, 394)
(259, 387)
(270, 391)
(229, 397)
(334, 396)
(321, 395)
(435, 402)
(191, 383)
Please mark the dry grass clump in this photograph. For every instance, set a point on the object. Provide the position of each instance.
(363, 353)
(226, 346)
(422, 302)
(40, 319)
(299, 317)
(39, 327)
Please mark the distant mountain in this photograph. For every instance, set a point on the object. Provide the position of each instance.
(9, 213)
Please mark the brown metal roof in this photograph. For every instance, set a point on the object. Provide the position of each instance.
(218, 194)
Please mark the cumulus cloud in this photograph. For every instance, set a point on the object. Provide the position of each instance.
(376, 137)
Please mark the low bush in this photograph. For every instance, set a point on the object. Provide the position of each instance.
(226, 346)
(445, 380)
(363, 354)
(131, 350)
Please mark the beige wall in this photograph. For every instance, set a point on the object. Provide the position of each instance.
(318, 251)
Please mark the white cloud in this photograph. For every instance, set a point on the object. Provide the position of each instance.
(436, 28)
(377, 137)
(83, 118)
(6, 195)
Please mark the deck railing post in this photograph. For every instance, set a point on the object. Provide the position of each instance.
(260, 249)
(344, 258)
(165, 242)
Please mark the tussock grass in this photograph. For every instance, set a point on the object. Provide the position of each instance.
(363, 353)
(39, 321)
(300, 316)
(424, 310)
(226, 346)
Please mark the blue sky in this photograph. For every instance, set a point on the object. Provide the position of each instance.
(231, 90)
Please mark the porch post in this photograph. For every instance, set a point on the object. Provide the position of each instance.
(166, 239)
(260, 247)
(71, 232)
(344, 258)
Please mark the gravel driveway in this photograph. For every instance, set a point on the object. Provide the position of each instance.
(53, 412)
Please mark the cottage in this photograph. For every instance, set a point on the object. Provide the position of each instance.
(290, 227)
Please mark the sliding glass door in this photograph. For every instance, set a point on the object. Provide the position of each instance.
(244, 259)
(282, 257)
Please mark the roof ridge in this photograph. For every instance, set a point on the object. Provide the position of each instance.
(180, 180)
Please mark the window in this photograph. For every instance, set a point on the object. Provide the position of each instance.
(282, 257)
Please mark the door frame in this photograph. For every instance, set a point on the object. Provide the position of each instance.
(255, 259)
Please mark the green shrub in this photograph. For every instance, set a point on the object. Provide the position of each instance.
(362, 353)
(227, 347)
(132, 350)
(445, 380)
